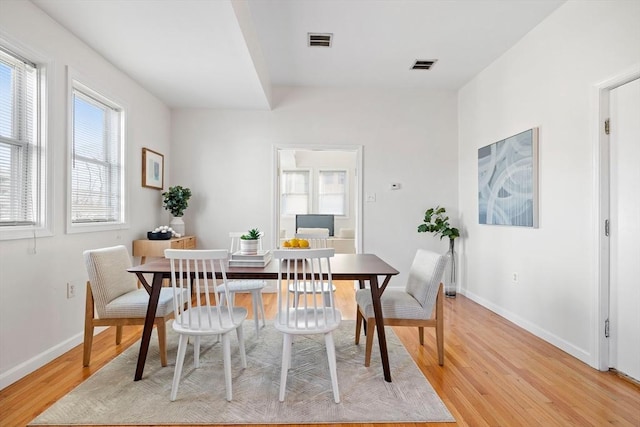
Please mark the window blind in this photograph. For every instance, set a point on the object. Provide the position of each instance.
(96, 164)
(19, 160)
(332, 192)
(295, 192)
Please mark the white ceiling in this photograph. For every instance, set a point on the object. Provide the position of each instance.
(229, 53)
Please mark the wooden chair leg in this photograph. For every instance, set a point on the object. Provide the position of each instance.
(118, 334)
(161, 326)
(421, 334)
(88, 328)
(371, 327)
(359, 319)
(440, 325)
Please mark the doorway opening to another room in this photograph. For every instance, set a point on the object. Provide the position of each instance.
(319, 187)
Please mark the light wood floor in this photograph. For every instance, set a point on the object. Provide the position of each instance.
(495, 374)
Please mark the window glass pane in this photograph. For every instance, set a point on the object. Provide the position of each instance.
(19, 163)
(332, 192)
(7, 100)
(88, 128)
(295, 192)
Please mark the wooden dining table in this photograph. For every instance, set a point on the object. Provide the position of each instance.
(361, 267)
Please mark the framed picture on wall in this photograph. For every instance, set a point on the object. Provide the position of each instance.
(508, 181)
(152, 169)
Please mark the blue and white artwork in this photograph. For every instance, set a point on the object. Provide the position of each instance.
(507, 181)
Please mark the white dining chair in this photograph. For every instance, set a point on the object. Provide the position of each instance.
(317, 238)
(304, 312)
(193, 272)
(243, 286)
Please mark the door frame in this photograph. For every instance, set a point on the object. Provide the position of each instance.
(275, 186)
(600, 97)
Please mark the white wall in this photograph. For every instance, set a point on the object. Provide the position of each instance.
(546, 80)
(37, 321)
(225, 157)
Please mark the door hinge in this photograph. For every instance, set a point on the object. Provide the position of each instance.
(606, 227)
(606, 328)
(606, 127)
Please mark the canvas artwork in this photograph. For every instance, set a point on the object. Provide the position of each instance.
(508, 181)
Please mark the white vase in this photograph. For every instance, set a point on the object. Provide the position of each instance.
(248, 247)
(178, 225)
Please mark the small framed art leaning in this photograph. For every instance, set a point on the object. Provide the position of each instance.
(152, 169)
(508, 181)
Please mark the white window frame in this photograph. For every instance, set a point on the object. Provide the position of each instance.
(76, 81)
(42, 193)
(345, 194)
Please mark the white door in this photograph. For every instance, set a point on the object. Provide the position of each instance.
(624, 316)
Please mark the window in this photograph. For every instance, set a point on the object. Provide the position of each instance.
(332, 192)
(295, 192)
(22, 154)
(97, 172)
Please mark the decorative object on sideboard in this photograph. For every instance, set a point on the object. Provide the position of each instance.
(152, 169)
(164, 232)
(437, 222)
(176, 201)
(249, 242)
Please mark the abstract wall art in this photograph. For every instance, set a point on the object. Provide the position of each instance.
(508, 181)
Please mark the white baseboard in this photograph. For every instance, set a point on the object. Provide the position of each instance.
(25, 368)
(536, 330)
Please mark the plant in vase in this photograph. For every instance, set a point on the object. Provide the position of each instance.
(437, 222)
(249, 242)
(176, 201)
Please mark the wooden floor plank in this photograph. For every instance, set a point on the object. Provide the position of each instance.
(495, 374)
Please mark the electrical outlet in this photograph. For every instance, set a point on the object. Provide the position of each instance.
(71, 290)
(514, 277)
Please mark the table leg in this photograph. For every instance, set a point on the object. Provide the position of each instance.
(382, 340)
(154, 296)
(364, 319)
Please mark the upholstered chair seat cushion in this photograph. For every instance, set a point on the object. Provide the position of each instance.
(134, 304)
(242, 285)
(396, 304)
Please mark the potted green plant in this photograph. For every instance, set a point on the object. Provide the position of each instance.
(176, 201)
(249, 242)
(437, 222)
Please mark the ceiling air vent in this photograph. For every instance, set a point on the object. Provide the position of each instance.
(320, 39)
(423, 64)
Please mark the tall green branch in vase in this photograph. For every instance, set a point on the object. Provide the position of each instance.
(437, 222)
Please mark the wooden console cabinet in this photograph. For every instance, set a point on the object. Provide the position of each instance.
(155, 248)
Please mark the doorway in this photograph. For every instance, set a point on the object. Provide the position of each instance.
(624, 196)
(309, 162)
(618, 328)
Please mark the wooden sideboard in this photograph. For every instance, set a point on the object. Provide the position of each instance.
(155, 248)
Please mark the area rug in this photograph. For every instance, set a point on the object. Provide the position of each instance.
(111, 397)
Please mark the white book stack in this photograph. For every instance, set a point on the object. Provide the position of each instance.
(261, 259)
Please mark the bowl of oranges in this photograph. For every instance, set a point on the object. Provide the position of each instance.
(295, 244)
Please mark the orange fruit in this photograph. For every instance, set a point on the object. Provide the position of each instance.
(286, 244)
(303, 243)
